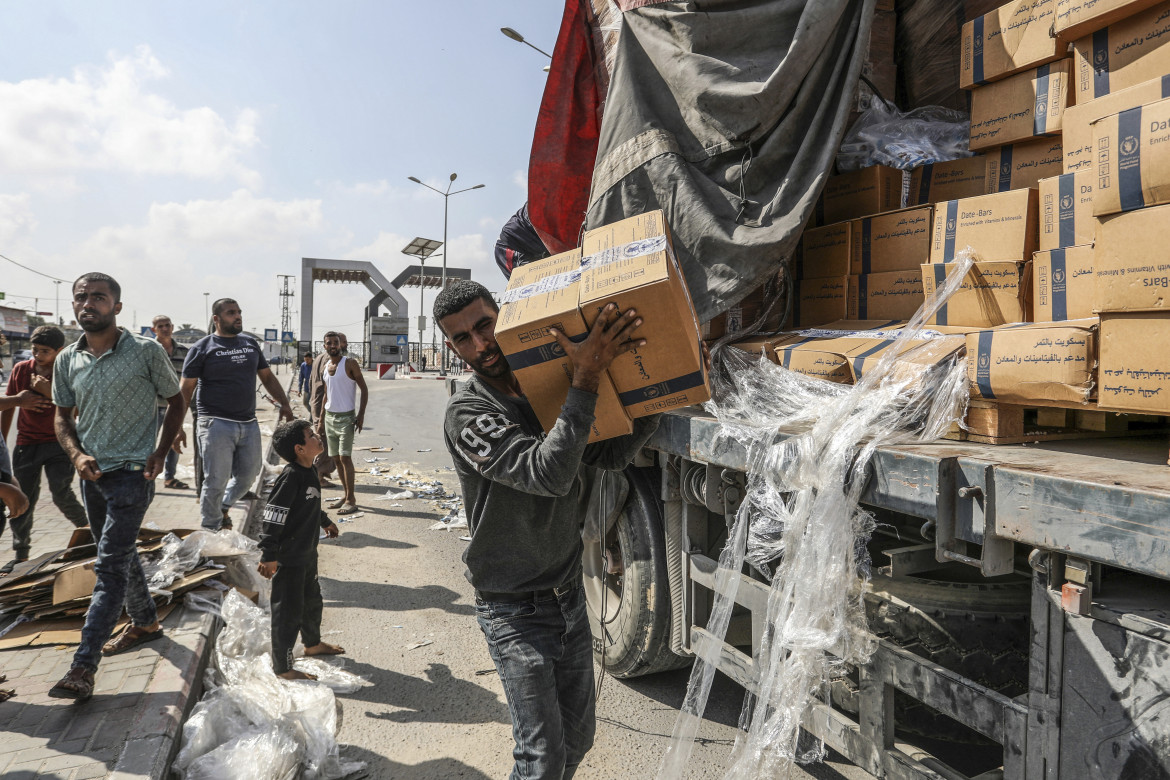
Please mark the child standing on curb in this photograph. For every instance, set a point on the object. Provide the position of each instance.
(293, 520)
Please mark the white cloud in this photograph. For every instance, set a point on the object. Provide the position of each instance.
(520, 179)
(16, 218)
(365, 189)
(106, 119)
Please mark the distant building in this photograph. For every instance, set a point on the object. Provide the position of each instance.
(189, 335)
(14, 326)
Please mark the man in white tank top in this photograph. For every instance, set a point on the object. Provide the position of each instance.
(343, 417)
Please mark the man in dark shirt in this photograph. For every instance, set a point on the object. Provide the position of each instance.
(224, 366)
(525, 512)
(164, 331)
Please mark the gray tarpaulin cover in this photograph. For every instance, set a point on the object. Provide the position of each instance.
(727, 114)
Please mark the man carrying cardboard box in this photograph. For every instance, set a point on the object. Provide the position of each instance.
(521, 490)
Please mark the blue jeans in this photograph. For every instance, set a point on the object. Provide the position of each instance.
(172, 462)
(231, 462)
(115, 504)
(543, 652)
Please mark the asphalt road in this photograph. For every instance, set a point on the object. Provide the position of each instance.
(436, 710)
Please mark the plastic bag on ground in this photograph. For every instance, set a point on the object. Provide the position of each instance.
(809, 446)
(251, 724)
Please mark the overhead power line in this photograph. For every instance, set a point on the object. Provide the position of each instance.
(33, 270)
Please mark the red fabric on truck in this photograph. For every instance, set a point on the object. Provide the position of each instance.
(564, 147)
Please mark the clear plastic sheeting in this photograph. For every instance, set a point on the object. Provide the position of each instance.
(809, 446)
(238, 554)
(252, 725)
(883, 135)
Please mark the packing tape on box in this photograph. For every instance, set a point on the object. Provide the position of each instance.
(541, 286)
(646, 246)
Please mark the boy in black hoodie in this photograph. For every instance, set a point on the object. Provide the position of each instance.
(288, 548)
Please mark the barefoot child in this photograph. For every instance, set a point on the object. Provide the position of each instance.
(292, 523)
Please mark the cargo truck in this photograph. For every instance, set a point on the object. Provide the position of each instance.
(1019, 595)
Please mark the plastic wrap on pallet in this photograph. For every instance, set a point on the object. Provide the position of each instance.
(883, 135)
(809, 445)
(253, 725)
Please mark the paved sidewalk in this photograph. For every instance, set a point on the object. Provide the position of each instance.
(132, 726)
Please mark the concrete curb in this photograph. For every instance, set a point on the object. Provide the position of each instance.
(177, 683)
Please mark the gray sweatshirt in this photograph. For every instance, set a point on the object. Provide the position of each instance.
(520, 486)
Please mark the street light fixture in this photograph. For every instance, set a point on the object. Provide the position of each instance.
(508, 31)
(446, 196)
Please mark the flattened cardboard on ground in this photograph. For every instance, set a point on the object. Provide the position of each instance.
(993, 293)
(1124, 54)
(1002, 226)
(825, 251)
(1024, 106)
(36, 633)
(1133, 158)
(632, 264)
(860, 193)
(894, 241)
(1008, 40)
(1063, 284)
(1135, 362)
(1131, 262)
(540, 296)
(1079, 119)
(1034, 362)
(1066, 210)
(1003, 168)
(890, 295)
(821, 300)
(1075, 18)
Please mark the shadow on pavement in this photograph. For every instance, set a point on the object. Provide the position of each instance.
(380, 766)
(353, 539)
(389, 597)
(436, 697)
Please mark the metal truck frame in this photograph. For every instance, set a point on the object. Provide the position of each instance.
(1081, 527)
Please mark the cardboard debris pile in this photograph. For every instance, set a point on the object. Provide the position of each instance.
(45, 599)
(1065, 205)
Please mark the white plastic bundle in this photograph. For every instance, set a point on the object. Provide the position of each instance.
(254, 726)
(802, 515)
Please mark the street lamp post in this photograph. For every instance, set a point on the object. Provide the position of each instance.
(508, 31)
(206, 311)
(57, 284)
(443, 278)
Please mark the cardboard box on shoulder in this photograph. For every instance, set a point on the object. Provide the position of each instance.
(1078, 120)
(1026, 105)
(1076, 18)
(894, 241)
(543, 295)
(1003, 168)
(1135, 362)
(1124, 54)
(860, 193)
(632, 264)
(1034, 362)
(1066, 210)
(993, 293)
(825, 251)
(997, 227)
(1063, 284)
(892, 295)
(1010, 39)
(1133, 159)
(821, 300)
(1131, 266)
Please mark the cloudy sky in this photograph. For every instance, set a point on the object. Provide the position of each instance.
(191, 147)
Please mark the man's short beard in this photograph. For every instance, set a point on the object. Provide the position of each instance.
(97, 325)
(230, 329)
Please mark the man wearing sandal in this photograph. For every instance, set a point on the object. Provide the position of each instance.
(163, 330)
(224, 365)
(111, 378)
(342, 416)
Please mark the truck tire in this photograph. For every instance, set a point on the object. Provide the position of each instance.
(629, 613)
(979, 630)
